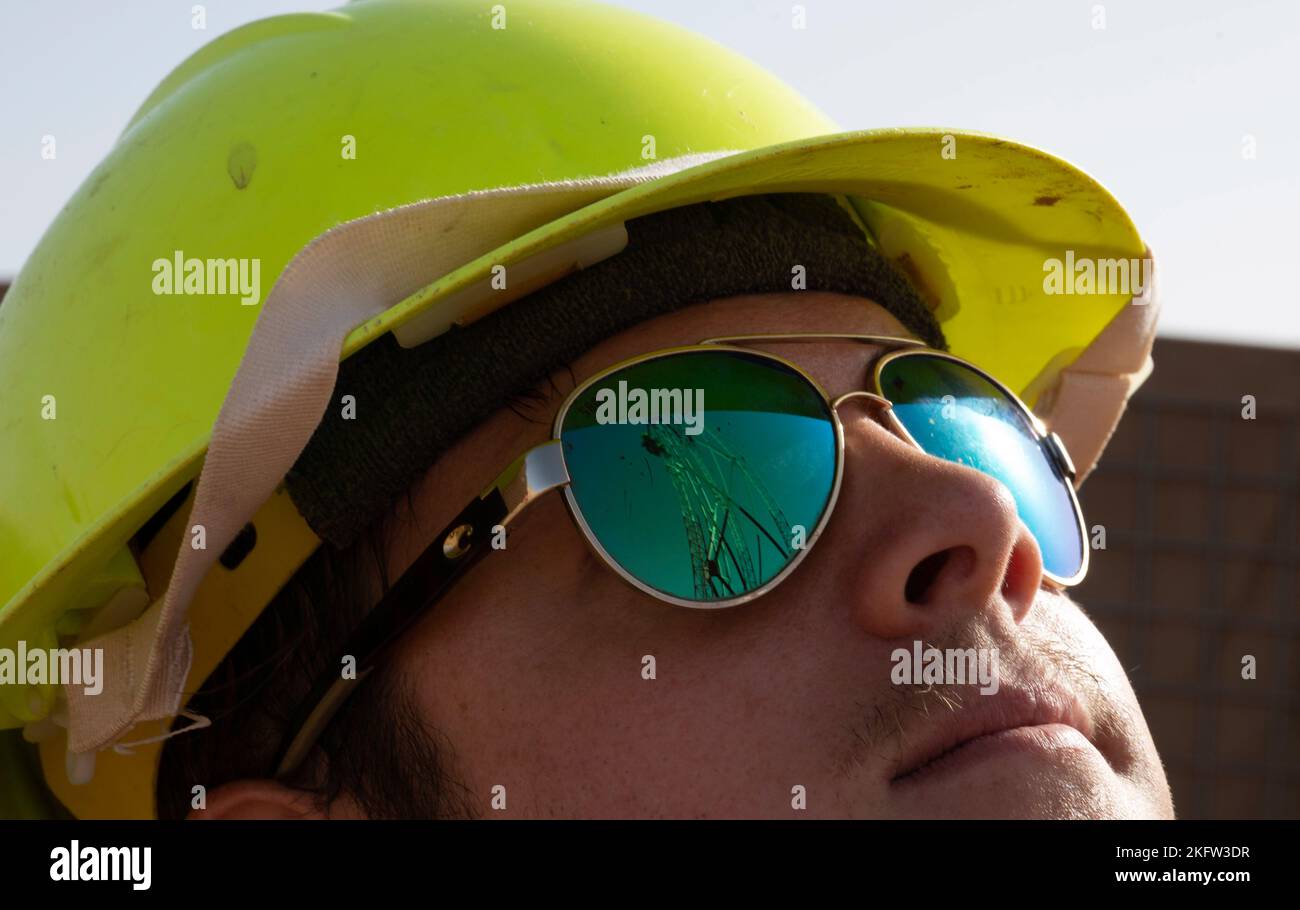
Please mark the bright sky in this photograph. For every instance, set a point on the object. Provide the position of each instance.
(1158, 105)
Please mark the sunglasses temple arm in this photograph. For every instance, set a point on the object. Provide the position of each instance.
(538, 471)
(462, 543)
(1060, 456)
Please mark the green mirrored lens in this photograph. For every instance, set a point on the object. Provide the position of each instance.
(955, 413)
(702, 473)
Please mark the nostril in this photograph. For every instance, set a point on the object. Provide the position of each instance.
(926, 573)
(923, 575)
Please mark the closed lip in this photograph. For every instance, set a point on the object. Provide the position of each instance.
(1011, 708)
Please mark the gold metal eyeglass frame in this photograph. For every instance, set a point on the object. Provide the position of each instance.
(542, 469)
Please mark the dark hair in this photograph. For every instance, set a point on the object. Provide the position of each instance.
(378, 749)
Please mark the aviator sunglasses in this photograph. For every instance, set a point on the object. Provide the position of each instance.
(703, 475)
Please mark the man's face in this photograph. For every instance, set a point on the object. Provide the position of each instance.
(534, 667)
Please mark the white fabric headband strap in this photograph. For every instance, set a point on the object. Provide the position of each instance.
(349, 274)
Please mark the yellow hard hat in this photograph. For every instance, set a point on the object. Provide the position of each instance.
(375, 163)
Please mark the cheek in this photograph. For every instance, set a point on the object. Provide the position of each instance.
(1082, 644)
(1112, 701)
(536, 649)
(535, 671)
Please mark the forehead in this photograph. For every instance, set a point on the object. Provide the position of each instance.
(790, 312)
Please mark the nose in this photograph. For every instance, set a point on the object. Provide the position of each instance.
(929, 542)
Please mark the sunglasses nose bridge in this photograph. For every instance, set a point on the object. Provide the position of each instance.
(869, 396)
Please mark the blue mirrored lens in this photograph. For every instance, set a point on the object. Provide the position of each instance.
(955, 413)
